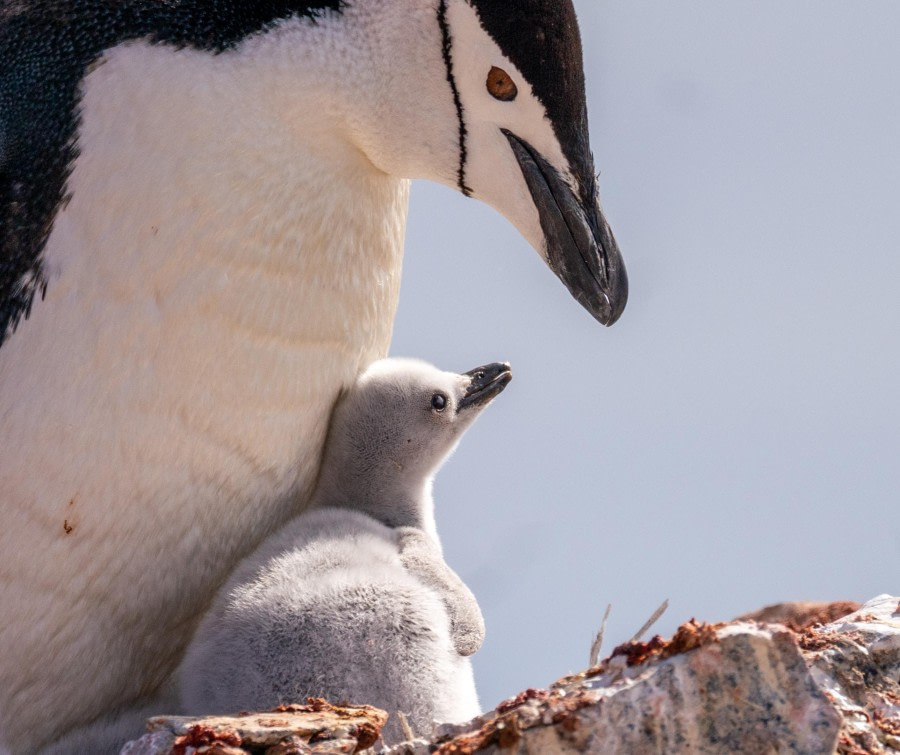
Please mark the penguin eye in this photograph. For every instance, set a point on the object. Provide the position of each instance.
(439, 402)
(500, 85)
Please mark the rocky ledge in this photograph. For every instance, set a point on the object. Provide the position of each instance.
(317, 727)
(746, 686)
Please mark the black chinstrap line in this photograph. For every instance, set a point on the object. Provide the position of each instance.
(446, 49)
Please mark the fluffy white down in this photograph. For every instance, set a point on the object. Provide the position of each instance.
(325, 608)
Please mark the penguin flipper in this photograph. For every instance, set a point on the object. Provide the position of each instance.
(422, 559)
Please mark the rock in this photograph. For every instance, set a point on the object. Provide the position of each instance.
(730, 688)
(151, 744)
(745, 686)
(856, 661)
(315, 728)
(802, 615)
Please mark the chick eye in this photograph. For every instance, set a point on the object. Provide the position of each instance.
(500, 85)
(439, 402)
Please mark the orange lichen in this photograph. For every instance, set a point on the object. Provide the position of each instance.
(505, 731)
(521, 699)
(848, 746)
(815, 640)
(366, 735)
(205, 736)
(888, 724)
(637, 653)
(689, 636)
(802, 615)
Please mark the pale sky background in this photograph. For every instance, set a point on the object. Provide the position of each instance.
(734, 440)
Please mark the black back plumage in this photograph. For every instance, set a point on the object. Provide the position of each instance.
(46, 48)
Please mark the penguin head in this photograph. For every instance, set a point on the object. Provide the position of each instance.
(488, 96)
(399, 422)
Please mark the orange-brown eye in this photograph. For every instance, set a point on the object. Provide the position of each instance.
(500, 85)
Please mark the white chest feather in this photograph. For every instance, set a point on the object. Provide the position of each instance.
(213, 282)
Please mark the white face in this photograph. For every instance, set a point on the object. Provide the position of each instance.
(414, 412)
(492, 172)
(447, 104)
(417, 123)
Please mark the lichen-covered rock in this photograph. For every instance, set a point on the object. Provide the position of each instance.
(315, 729)
(732, 688)
(801, 615)
(745, 686)
(856, 661)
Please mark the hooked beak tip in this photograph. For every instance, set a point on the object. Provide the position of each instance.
(580, 246)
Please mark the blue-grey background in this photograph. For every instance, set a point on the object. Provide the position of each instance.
(733, 441)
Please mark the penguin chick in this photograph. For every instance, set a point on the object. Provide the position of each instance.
(352, 600)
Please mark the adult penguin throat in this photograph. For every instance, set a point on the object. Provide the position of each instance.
(581, 249)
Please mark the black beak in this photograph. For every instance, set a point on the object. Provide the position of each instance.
(581, 249)
(486, 383)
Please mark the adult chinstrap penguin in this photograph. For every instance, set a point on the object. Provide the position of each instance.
(202, 209)
(352, 600)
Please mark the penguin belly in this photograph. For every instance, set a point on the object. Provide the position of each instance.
(163, 408)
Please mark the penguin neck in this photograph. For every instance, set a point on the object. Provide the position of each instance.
(195, 167)
(389, 498)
